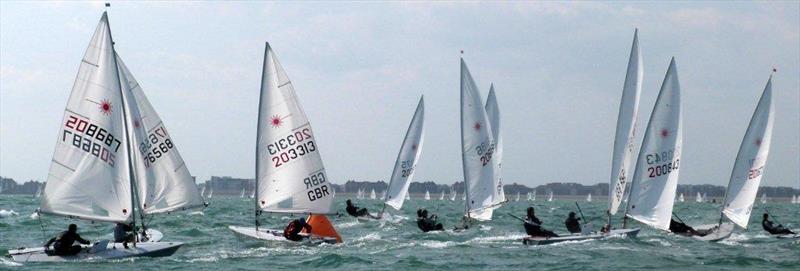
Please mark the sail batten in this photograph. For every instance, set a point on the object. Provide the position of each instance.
(750, 162)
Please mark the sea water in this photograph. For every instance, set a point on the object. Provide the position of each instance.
(396, 243)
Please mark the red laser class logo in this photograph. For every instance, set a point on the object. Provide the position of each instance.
(758, 142)
(276, 121)
(664, 133)
(105, 107)
(477, 126)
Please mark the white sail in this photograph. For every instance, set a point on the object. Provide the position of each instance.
(453, 194)
(698, 198)
(164, 184)
(656, 177)
(764, 198)
(427, 195)
(210, 191)
(39, 192)
(441, 197)
(705, 197)
(477, 150)
(407, 157)
(680, 198)
(243, 191)
(589, 198)
(203, 191)
(750, 162)
(626, 127)
(372, 194)
(290, 176)
(89, 176)
(550, 196)
(493, 113)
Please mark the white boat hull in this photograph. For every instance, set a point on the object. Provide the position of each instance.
(530, 240)
(150, 236)
(276, 235)
(110, 251)
(714, 234)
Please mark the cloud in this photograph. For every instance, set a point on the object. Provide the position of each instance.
(707, 18)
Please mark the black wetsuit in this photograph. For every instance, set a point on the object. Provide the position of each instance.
(355, 211)
(573, 226)
(678, 227)
(772, 229)
(427, 224)
(123, 233)
(533, 228)
(63, 243)
(292, 231)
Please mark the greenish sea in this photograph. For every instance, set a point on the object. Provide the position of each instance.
(396, 243)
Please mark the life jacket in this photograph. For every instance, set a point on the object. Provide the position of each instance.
(290, 229)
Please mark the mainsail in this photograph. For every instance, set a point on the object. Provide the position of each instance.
(290, 176)
(164, 184)
(90, 176)
(750, 161)
(477, 149)
(407, 158)
(626, 128)
(656, 177)
(493, 113)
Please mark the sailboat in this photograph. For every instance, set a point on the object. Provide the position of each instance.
(680, 198)
(748, 167)
(493, 114)
(203, 190)
(289, 179)
(95, 174)
(210, 190)
(764, 198)
(453, 194)
(534, 195)
(383, 195)
(372, 194)
(39, 192)
(243, 191)
(794, 199)
(655, 179)
(589, 198)
(427, 195)
(441, 197)
(517, 198)
(477, 150)
(550, 196)
(698, 198)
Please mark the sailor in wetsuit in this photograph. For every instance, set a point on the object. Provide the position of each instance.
(426, 223)
(123, 233)
(353, 210)
(292, 231)
(533, 226)
(771, 228)
(681, 228)
(573, 224)
(63, 243)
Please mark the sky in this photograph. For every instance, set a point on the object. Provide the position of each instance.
(359, 69)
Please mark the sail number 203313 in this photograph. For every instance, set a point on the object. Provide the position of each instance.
(291, 147)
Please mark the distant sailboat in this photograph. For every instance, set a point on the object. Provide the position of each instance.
(530, 196)
(427, 195)
(289, 173)
(680, 198)
(441, 197)
(705, 197)
(453, 194)
(243, 191)
(383, 195)
(372, 194)
(764, 198)
(698, 198)
(517, 198)
(38, 191)
(589, 198)
(534, 195)
(210, 191)
(550, 196)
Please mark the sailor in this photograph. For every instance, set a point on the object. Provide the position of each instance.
(533, 226)
(123, 233)
(772, 229)
(63, 243)
(353, 210)
(292, 231)
(428, 223)
(679, 227)
(572, 223)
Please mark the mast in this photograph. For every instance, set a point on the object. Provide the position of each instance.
(131, 175)
(463, 158)
(260, 100)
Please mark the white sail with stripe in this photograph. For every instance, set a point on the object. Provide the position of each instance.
(477, 150)
(290, 176)
(655, 179)
(164, 183)
(89, 176)
(407, 157)
(626, 128)
(750, 161)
